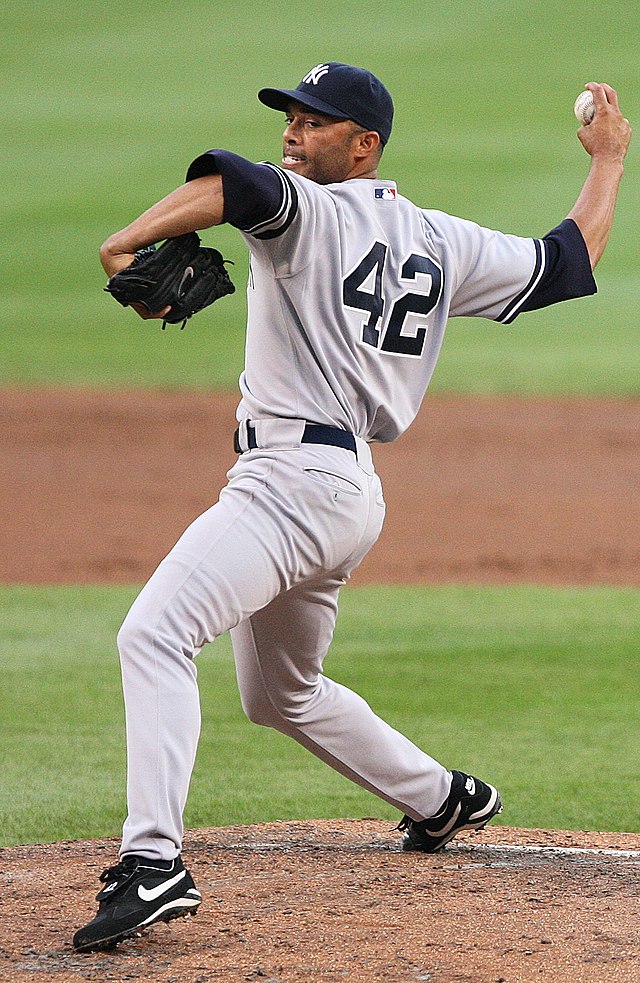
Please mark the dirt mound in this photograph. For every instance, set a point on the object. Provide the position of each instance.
(334, 900)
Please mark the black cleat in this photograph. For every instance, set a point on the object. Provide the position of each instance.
(138, 892)
(470, 805)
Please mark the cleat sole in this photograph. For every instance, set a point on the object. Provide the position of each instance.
(109, 944)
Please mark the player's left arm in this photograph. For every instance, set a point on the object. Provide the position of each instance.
(192, 207)
(606, 140)
(220, 187)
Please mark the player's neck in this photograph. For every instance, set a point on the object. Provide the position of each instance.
(368, 174)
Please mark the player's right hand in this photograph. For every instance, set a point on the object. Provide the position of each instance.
(607, 137)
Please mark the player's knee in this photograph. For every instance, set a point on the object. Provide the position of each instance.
(259, 709)
(134, 638)
(272, 708)
(140, 638)
(127, 639)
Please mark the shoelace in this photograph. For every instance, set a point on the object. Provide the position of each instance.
(118, 871)
(407, 821)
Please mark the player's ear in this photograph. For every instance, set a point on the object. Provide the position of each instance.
(368, 142)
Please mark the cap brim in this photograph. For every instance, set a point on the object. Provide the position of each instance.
(280, 98)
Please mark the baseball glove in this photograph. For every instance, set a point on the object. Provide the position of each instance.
(180, 272)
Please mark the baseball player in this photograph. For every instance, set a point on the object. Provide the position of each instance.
(350, 289)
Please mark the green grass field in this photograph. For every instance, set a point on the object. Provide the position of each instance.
(534, 688)
(107, 105)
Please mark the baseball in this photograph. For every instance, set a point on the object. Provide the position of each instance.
(584, 108)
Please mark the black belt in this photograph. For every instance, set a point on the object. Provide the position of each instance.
(313, 434)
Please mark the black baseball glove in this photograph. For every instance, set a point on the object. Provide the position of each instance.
(180, 272)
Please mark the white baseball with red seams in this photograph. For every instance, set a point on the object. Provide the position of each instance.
(584, 108)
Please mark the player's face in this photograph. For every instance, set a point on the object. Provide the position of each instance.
(319, 147)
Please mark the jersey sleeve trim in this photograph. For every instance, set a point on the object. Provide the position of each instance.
(514, 306)
(562, 272)
(279, 223)
(258, 198)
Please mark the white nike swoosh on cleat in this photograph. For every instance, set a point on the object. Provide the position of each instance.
(156, 892)
(445, 829)
(489, 806)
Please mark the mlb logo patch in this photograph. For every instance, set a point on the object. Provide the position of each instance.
(385, 194)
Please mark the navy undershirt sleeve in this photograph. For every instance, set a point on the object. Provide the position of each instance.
(255, 195)
(567, 272)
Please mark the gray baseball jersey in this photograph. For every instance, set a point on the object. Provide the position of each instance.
(351, 287)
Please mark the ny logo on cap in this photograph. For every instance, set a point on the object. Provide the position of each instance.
(315, 74)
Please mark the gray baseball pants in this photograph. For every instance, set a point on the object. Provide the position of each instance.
(267, 562)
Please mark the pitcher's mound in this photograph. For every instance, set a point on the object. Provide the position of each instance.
(336, 900)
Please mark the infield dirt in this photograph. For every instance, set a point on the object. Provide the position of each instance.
(97, 486)
(330, 901)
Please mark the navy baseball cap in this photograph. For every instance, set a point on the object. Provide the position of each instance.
(342, 91)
